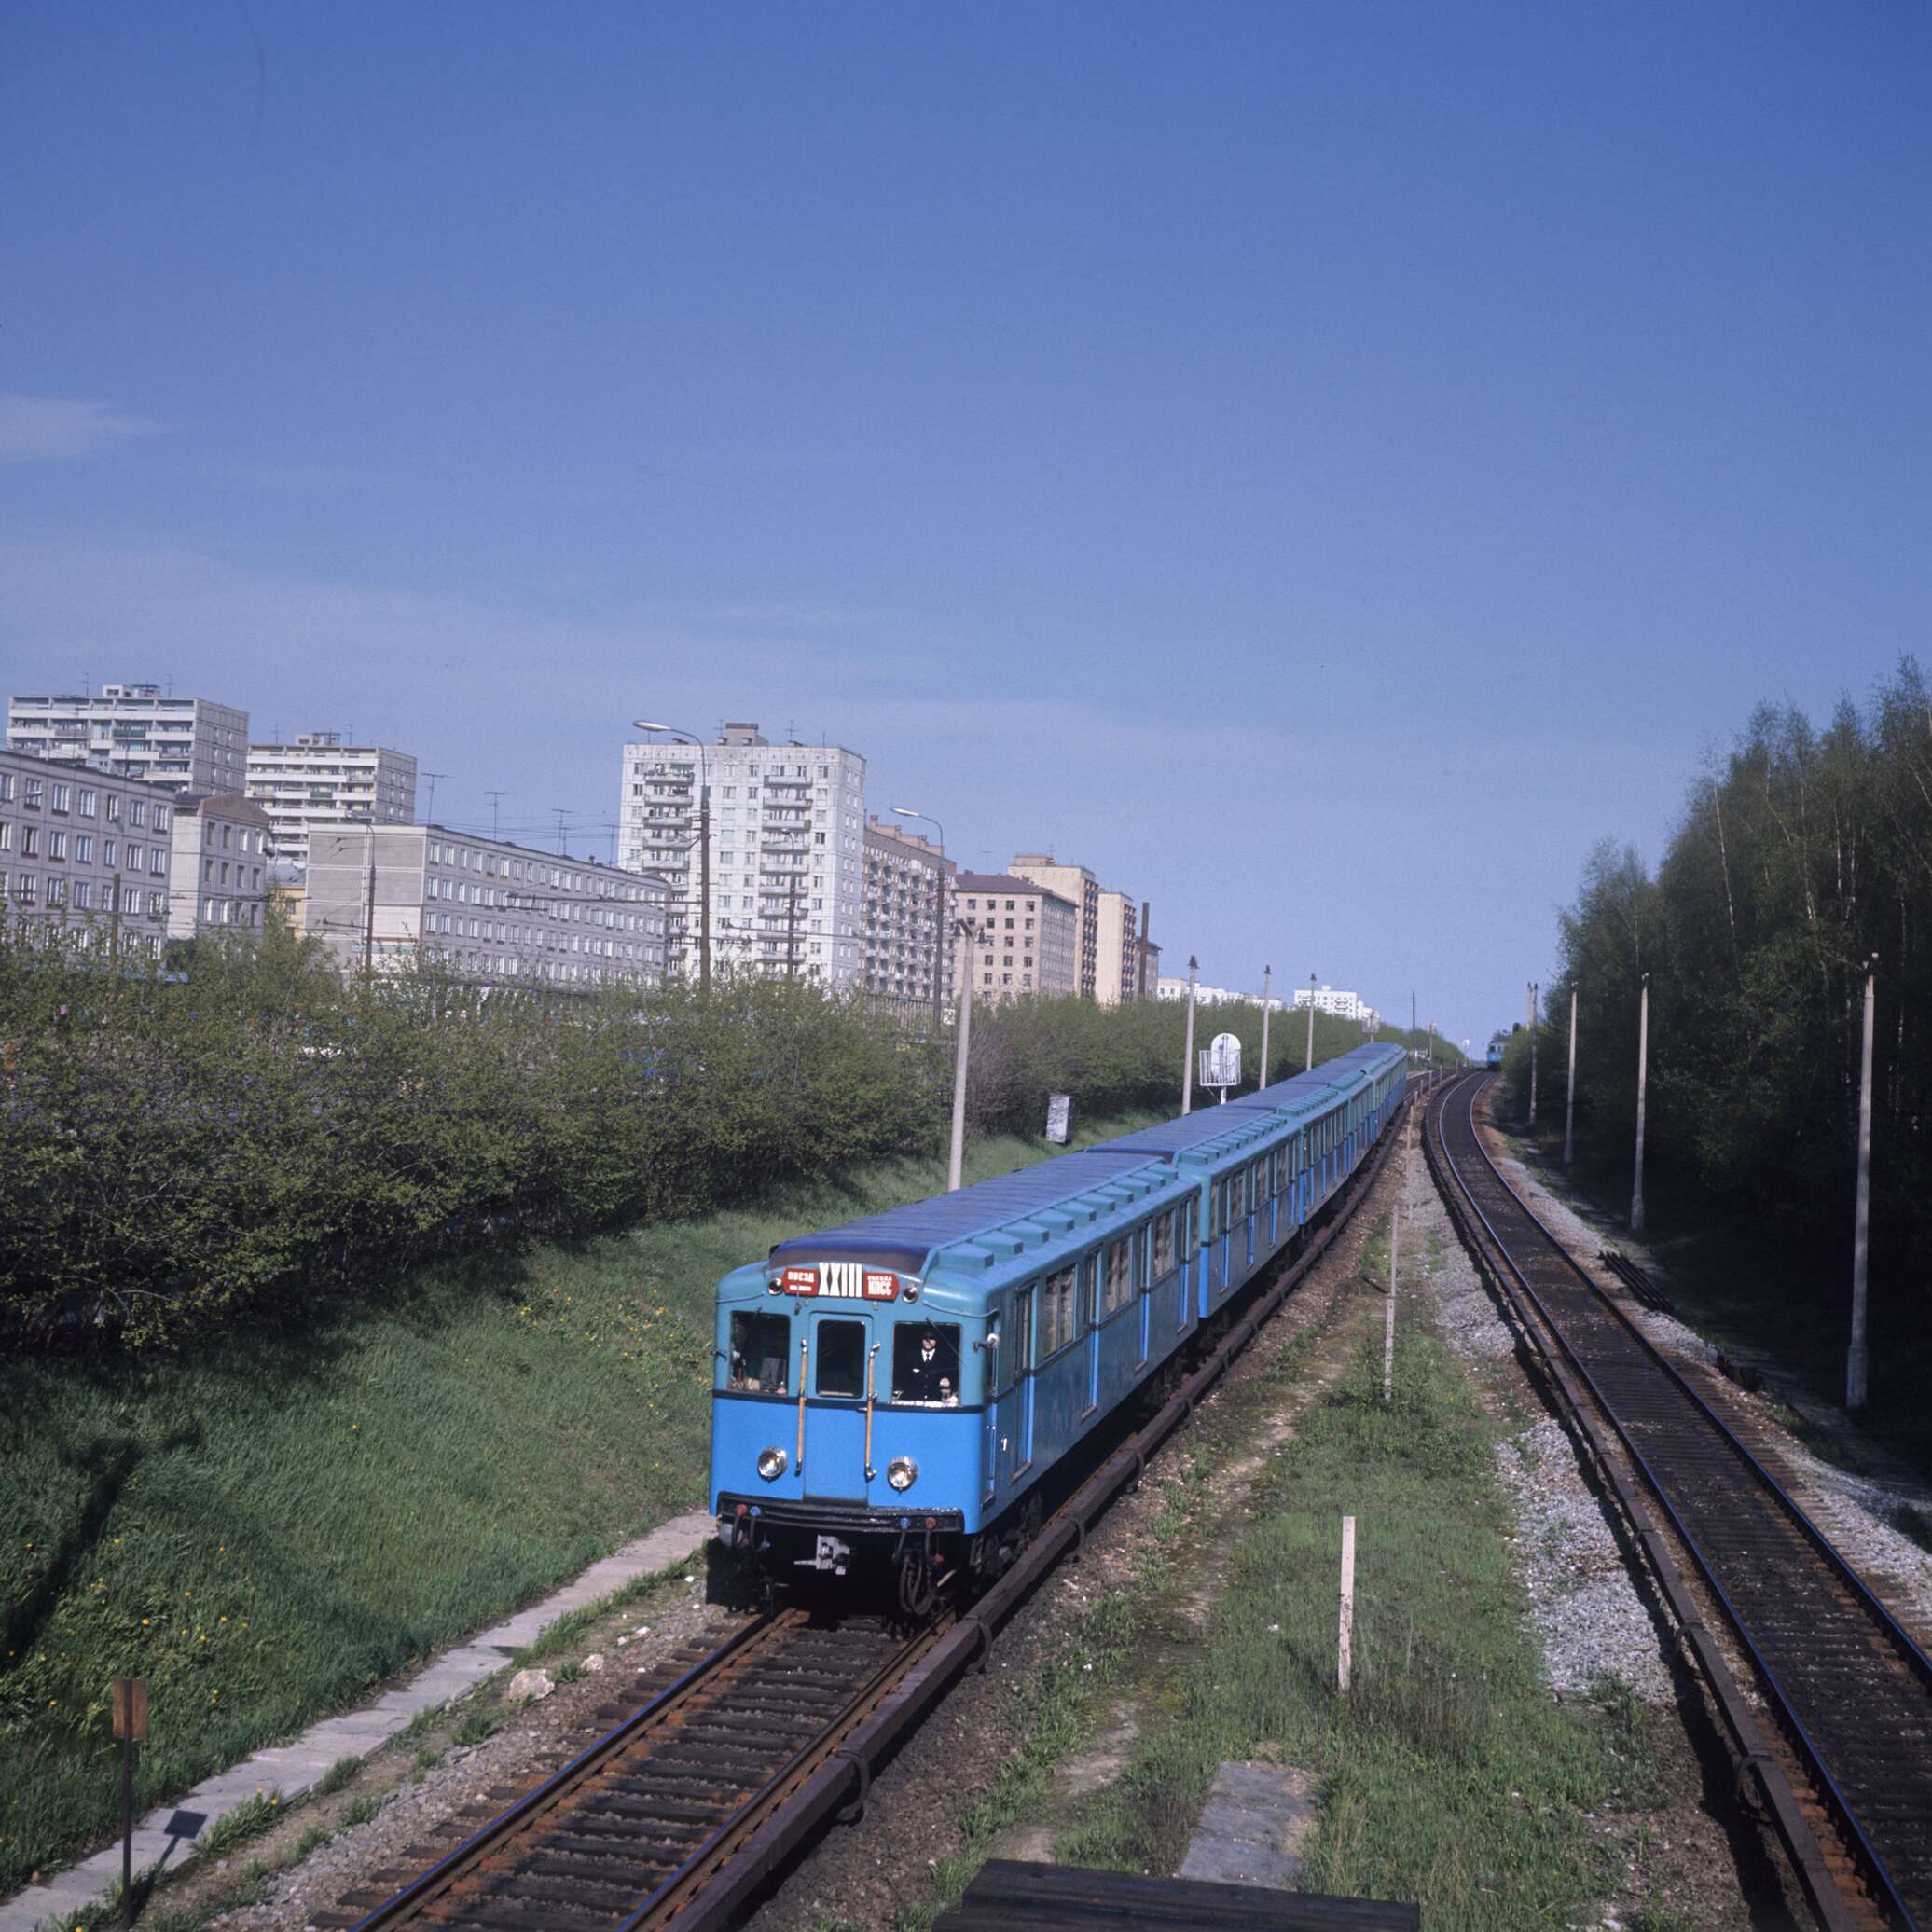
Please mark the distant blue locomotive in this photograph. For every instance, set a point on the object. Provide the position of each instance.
(894, 1392)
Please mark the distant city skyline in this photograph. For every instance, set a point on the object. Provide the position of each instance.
(1319, 471)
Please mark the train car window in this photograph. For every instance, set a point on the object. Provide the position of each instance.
(925, 1362)
(1090, 1291)
(1117, 1285)
(841, 1352)
(1187, 1244)
(1237, 1207)
(1023, 1329)
(1163, 1243)
(1058, 1312)
(761, 1345)
(1258, 1189)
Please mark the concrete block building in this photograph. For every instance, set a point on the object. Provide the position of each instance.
(1027, 938)
(908, 919)
(391, 895)
(218, 868)
(1082, 891)
(320, 780)
(787, 851)
(138, 731)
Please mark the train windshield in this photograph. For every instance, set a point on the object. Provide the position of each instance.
(759, 1348)
(925, 1362)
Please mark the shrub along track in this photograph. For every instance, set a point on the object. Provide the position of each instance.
(699, 1796)
(1850, 1692)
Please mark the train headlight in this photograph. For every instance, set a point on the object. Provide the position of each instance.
(901, 1472)
(771, 1464)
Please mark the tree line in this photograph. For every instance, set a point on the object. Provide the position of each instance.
(180, 1151)
(1798, 860)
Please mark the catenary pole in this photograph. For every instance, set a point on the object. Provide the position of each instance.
(956, 1161)
(1855, 1360)
(1643, 1069)
(1310, 1067)
(1569, 1085)
(1187, 1062)
(1268, 973)
(1532, 1053)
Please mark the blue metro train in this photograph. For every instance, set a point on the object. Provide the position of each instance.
(893, 1394)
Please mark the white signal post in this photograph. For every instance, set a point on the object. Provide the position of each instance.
(1345, 1632)
(1261, 1072)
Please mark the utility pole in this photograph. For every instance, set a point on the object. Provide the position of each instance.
(370, 910)
(956, 1160)
(1187, 1059)
(1855, 1360)
(1310, 1067)
(1267, 972)
(791, 928)
(1569, 1085)
(1533, 989)
(1643, 1069)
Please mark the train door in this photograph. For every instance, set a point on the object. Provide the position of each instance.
(1016, 1414)
(1146, 1240)
(843, 1362)
(1090, 1314)
(1256, 1194)
(994, 1370)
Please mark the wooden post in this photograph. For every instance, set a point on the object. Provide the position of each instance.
(1346, 1633)
(1643, 1069)
(128, 1700)
(1570, 1091)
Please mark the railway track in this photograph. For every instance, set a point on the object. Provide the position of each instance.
(1849, 1690)
(696, 1797)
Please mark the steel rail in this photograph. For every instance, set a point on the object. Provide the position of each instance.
(833, 1768)
(1754, 1486)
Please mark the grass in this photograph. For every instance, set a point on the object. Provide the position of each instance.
(231, 1525)
(342, 1772)
(1449, 1776)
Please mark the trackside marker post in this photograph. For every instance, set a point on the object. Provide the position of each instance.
(1395, 1236)
(130, 1704)
(1345, 1637)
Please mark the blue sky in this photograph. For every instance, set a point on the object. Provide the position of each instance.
(1321, 466)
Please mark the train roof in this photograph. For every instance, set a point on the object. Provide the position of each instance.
(905, 1237)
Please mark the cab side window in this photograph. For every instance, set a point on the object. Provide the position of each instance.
(925, 1362)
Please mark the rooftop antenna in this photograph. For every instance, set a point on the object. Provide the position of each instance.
(492, 797)
(430, 816)
(563, 813)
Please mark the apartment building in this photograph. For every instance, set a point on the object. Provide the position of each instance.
(390, 896)
(86, 853)
(1117, 950)
(320, 780)
(218, 868)
(1026, 939)
(1205, 995)
(1082, 891)
(787, 851)
(1344, 1005)
(180, 744)
(905, 935)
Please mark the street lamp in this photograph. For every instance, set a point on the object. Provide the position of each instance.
(704, 845)
(939, 907)
(1310, 1068)
(955, 1160)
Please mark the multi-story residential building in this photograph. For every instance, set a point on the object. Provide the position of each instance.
(1347, 1006)
(389, 895)
(787, 851)
(1117, 953)
(1026, 939)
(181, 744)
(908, 921)
(1170, 989)
(320, 780)
(1082, 890)
(218, 869)
(84, 852)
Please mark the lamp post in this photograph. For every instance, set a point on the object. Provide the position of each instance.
(1310, 1067)
(1569, 1085)
(938, 909)
(1854, 1358)
(1187, 1058)
(1533, 989)
(956, 1161)
(1643, 1069)
(1268, 973)
(704, 845)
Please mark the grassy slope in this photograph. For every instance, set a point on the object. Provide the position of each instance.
(267, 1531)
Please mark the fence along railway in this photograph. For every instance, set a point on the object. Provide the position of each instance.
(1849, 1690)
(729, 1761)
